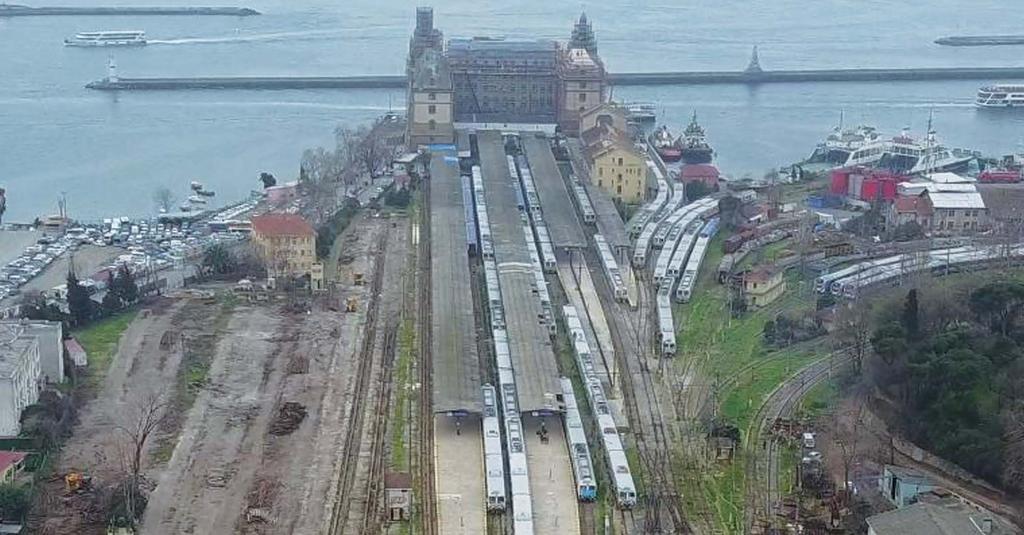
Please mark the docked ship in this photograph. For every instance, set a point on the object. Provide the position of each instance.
(908, 155)
(693, 147)
(663, 143)
(104, 39)
(641, 114)
(838, 146)
(1000, 96)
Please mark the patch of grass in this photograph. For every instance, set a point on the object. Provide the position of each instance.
(752, 387)
(787, 468)
(100, 343)
(819, 399)
(723, 492)
(403, 380)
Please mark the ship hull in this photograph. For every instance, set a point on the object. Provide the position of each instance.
(697, 156)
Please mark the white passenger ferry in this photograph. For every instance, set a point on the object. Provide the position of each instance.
(116, 38)
(1000, 96)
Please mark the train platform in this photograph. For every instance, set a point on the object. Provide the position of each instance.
(582, 296)
(556, 206)
(533, 358)
(609, 223)
(555, 507)
(456, 366)
(459, 476)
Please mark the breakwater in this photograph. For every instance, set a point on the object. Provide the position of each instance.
(14, 10)
(620, 79)
(981, 40)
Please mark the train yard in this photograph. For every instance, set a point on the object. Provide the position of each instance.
(525, 266)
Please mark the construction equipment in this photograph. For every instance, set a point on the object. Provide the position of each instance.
(358, 279)
(350, 304)
(75, 482)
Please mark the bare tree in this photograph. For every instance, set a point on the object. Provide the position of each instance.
(141, 422)
(164, 199)
(848, 428)
(854, 330)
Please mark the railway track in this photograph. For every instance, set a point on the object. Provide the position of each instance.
(352, 445)
(763, 465)
(425, 450)
(373, 510)
(662, 506)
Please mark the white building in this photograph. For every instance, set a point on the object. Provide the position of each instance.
(51, 347)
(20, 375)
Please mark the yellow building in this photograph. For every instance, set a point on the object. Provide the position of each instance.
(763, 286)
(287, 244)
(616, 166)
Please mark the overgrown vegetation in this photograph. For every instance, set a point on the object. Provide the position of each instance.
(334, 226)
(952, 362)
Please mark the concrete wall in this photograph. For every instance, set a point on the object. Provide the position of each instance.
(51, 348)
(19, 389)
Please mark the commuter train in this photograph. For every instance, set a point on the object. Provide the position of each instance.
(681, 219)
(666, 327)
(519, 170)
(579, 451)
(469, 214)
(494, 460)
(643, 242)
(938, 261)
(611, 269)
(505, 393)
(689, 277)
(586, 208)
(540, 285)
(613, 454)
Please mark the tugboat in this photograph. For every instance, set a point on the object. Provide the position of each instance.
(661, 139)
(693, 147)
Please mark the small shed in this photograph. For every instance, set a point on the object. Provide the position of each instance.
(901, 485)
(76, 353)
(398, 495)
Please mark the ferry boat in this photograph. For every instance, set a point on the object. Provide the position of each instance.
(1000, 96)
(640, 113)
(693, 147)
(110, 38)
(905, 154)
(838, 146)
(662, 142)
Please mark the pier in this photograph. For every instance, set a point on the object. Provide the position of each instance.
(15, 10)
(620, 79)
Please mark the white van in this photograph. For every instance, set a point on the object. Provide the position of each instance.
(808, 440)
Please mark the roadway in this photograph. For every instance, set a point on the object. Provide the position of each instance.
(557, 208)
(455, 363)
(533, 359)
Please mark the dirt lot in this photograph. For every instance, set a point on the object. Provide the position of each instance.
(258, 398)
(248, 461)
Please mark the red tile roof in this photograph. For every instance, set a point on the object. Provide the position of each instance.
(7, 458)
(699, 170)
(281, 225)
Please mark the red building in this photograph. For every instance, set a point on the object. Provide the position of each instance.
(866, 184)
(703, 172)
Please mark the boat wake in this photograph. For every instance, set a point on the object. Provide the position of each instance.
(250, 38)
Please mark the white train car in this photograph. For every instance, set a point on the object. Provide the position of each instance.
(643, 242)
(666, 327)
(579, 194)
(686, 244)
(540, 285)
(547, 252)
(611, 269)
(494, 460)
(579, 451)
(618, 464)
(614, 457)
(680, 221)
(689, 276)
(506, 393)
(823, 284)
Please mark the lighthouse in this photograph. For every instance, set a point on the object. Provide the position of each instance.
(111, 70)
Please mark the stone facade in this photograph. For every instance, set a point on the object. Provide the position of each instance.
(497, 80)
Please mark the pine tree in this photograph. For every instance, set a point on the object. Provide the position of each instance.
(911, 319)
(79, 304)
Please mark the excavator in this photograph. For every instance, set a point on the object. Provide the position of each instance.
(77, 482)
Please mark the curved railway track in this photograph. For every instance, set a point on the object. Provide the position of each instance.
(763, 464)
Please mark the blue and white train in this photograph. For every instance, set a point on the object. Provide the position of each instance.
(613, 454)
(505, 393)
(494, 459)
(692, 269)
(579, 451)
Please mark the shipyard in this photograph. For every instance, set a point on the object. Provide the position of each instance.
(520, 301)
